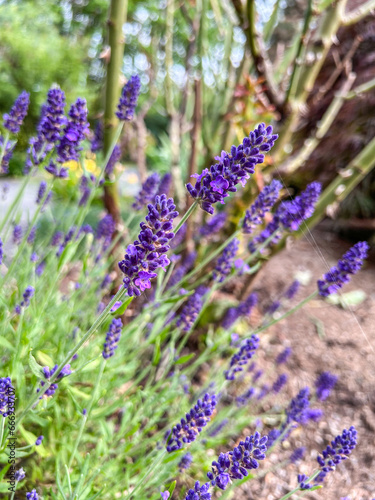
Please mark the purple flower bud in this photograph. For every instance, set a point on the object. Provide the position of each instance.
(19, 475)
(32, 495)
(324, 385)
(7, 396)
(41, 192)
(263, 204)
(31, 237)
(113, 159)
(97, 141)
(129, 98)
(74, 132)
(297, 455)
(191, 310)
(7, 148)
(279, 383)
(27, 295)
(199, 492)
(17, 234)
(245, 353)
(147, 192)
(112, 338)
(185, 461)
(284, 356)
(1, 251)
(39, 440)
(214, 224)
(14, 119)
(243, 309)
(225, 261)
(165, 184)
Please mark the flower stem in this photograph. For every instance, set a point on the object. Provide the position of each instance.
(15, 202)
(145, 477)
(185, 217)
(288, 495)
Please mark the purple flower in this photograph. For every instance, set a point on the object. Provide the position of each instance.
(243, 309)
(214, 224)
(74, 132)
(85, 191)
(191, 310)
(215, 430)
(297, 455)
(27, 295)
(284, 356)
(116, 306)
(339, 450)
(225, 261)
(245, 397)
(129, 98)
(7, 148)
(1, 251)
(236, 464)
(147, 254)
(17, 234)
(40, 268)
(97, 141)
(112, 338)
(48, 372)
(298, 408)
(32, 495)
(147, 192)
(13, 120)
(215, 184)
(245, 353)
(58, 172)
(279, 383)
(292, 290)
(302, 482)
(7, 396)
(164, 495)
(19, 475)
(113, 159)
(57, 238)
(106, 228)
(39, 440)
(165, 184)
(199, 492)
(324, 385)
(185, 461)
(263, 204)
(34, 257)
(31, 237)
(190, 426)
(41, 192)
(273, 307)
(273, 435)
(350, 263)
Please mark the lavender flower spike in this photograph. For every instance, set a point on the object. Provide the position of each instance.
(339, 450)
(225, 261)
(190, 426)
(243, 309)
(216, 183)
(13, 120)
(19, 475)
(237, 463)
(350, 263)
(147, 192)
(199, 492)
(263, 204)
(74, 132)
(41, 192)
(112, 339)
(32, 495)
(191, 309)
(147, 254)
(27, 295)
(129, 98)
(245, 353)
(1, 251)
(324, 385)
(17, 234)
(214, 224)
(6, 396)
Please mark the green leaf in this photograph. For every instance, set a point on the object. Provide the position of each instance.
(122, 308)
(157, 352)
(5, 343)
(44, 358)
(184, 359)
(170, 487)
(35, 367)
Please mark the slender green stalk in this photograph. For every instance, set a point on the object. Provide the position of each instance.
(151, 469)
(3, 149)
(186, 216)
(15, 202)
(89, 407)
(2, 425)
(311, 478)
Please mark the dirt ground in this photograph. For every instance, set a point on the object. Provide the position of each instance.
(324, 337)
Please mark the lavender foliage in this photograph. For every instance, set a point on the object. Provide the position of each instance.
(32, 495)
(215, 184)
(185, 461)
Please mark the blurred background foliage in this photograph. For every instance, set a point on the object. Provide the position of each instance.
(211, 70)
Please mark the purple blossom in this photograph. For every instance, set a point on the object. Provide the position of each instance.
(292, 290)
(7, 147)
(199, 492)
(147, 254)
(17, 234)
(38, 442)
(273, 436)
(188, 429)
(185, 461)
(27, 295)
(244, 398)
(215, 184)
(57, 238)
(106, 228)
(297, 455)
(97, 141)
(273, 307)
(1, 251)
(34, 257)
(214, 224)
(74, 132)
(14, 119)
(263, 204)
(303, 482)
(236, 464)
(129, 98)
(48, 372)
(85, 191)
(164, 495)
(165, 184)
(216, 429)
(112, 338)
(7, 395)
(147, 192)
(225, 261)
(284, 356)
(31, 237)
(324, 385)
(19, 475)
(242, 357)
(298, 408)
(279, 383)
(58, 172)
(191, 310)
(350, 263)
(40, 268)
(242, 310)
(113, 159)
(41, 192)
(339, 450)
(32, 495)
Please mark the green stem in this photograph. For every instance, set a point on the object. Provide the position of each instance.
(96, 325)
(15, 202)
(146, 475)
(186, 216)
(85, 417)
(288, 495)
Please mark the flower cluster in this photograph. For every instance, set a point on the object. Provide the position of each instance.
(225, 261)
(283, 356)
(190, 426)
(6, 395)
(243, 309)
(339, 450)
(165, 184)
(199, 492)
(14, 119)
(19, 475)
(216, 183)
(27, 295)
(236, 464)
(148, 192)
(303, 482)
(105, 229)
(113, 159)
(279, 383)
(245, 353)
(112, 338)
(32, 495)
(191, 310)
(148, 252)
(324, 385)
(48, 374)
(214, 224)
(1, 251)
(292, 290)
(185, 461)
(74, 132)
(17, 234)
(263, 204)
(129, 98)
(350, 263)
(7, 147)
(297, 410)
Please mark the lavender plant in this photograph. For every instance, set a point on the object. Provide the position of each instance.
(132, 349)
